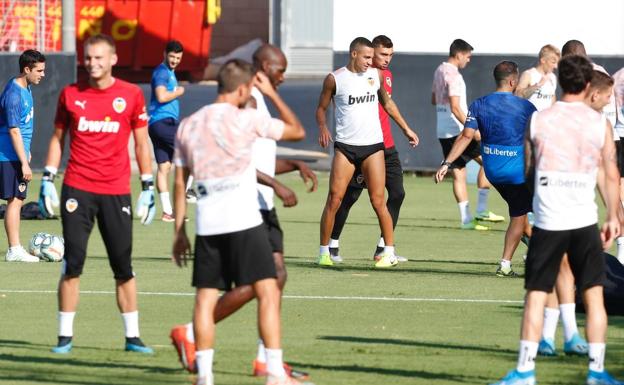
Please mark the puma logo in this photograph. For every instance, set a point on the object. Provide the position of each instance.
(80, 104)
(126, 209)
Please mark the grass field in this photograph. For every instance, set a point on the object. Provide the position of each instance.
(441, 318)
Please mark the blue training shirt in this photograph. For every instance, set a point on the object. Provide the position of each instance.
(16, 110)
(501, 117)
(163, 76)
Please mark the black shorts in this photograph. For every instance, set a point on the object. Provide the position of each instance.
(518, 198)
(79, 209)
(162, 133)
(276, 235)
(394, 170)
(619, 147)
(546, 249)
(357, 154)
(242, 258)
(471, 152)
(11, 183)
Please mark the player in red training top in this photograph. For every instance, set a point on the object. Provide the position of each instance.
(99, 116)
(394, 172)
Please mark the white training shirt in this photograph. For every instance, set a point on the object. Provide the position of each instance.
(264, 152)
(447, 82)
(618, 89)
(215, 143)
(568, 140)
(543, 97)
(356, 110)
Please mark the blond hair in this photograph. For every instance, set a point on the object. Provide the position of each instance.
(549, 49)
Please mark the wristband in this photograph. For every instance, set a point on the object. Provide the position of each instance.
(147, 182)
(49, 173)
(445, 163)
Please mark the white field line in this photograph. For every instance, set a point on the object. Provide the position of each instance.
(303, 297)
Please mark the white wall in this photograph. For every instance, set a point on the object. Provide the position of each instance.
(491, 26)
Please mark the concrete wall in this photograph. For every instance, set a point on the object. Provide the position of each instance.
(241, 21)
(60, 71)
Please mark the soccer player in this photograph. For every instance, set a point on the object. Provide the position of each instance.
(231, 245)
(16, 130)
(164, 117)
(383, 53)
(271, 61)
(566, 216)
(539, 84)
(99, 116)
(355, 90)
(448, 95)
(501, 118)
(618, 89)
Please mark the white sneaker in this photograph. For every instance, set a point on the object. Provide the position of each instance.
(208, 380)
(401, 259)
(19, 255)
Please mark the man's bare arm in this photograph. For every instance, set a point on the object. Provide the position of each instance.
(328, 91)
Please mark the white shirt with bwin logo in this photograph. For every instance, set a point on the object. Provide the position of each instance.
(356, 110)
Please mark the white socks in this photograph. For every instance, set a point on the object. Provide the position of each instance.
(333, 243)
(551, 319)
(505, 264)
(190, 333)
(66, 323)
(526, 356)
(324, 249)
(596, 356)
(568, 319)
(204, 363)
(389, 250)
(261, 356)
(165, 202)
(275, 365)
(381, 242)
(483, 199)
(131, 323)
(189, 183)
(620, 250)
(464, 212)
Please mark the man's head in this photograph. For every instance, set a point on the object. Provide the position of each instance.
(32, 66)
(235, 77)
(361, 51)
(600, 90)
(383, 51)
(549, 57)
(461, 51)
(173, 54)
(506, 75)
(573, 47)
(99, 56)
(575, 73)
(272, 61)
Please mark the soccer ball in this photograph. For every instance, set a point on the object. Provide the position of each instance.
(52, 248)
(34, 246)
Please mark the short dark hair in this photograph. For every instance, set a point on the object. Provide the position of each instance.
(174, 46)
(358, 41)
(459, 45)
(232, 74)
(100, 38)
(504, 70)
(30, 58)
(382, 41)
(600, 80)
(573, 47)
(575, 71)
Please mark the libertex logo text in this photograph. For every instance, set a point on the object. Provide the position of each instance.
(495, 151)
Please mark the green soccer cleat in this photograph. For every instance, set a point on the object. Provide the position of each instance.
(489, 217)
(473, 225)
(325, 260)
(506, 272)
(386, 260)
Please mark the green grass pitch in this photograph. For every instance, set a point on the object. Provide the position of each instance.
(424, 322)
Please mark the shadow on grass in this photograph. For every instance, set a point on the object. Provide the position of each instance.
(401, 268)
(71, 361)
(421, 344)
(415, 374)
(374, 223)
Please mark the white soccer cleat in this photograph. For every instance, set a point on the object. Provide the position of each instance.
(19, 254)
(401, 258)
